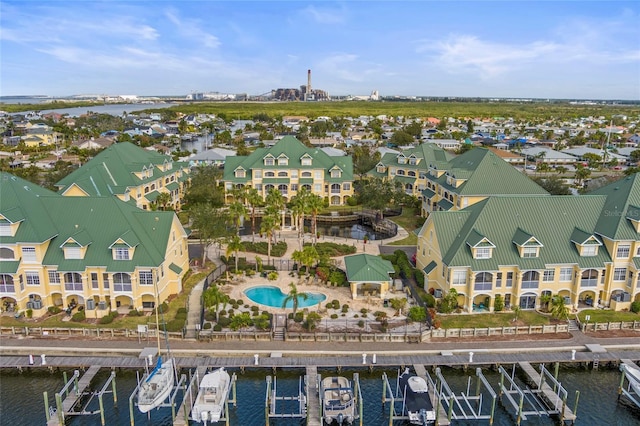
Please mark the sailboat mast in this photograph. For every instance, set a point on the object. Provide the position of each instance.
(155, 286)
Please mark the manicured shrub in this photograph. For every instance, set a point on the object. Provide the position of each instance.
(298, 317)
(210, 315)
(78, 316)
(361, 324)
(253, 308)
(29, 313)
(345, 308)
(181, 311)
(335, 303)
(181, 315)
(217, 327)
(429, 300)
(175, 325)
(364, 310)
(635, 307)
(206, 326)
(417, 314)
(224, 321)
(53, 310)
(334, 316)
(135, 313)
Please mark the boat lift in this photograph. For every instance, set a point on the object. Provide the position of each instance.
(540, 401)
(191, 393)
(396, 399)
(466, 406)
(75, 404)
(628, 390)
(276, 405)
(180, 386)
(357, 396)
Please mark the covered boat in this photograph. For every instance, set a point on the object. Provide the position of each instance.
(212, 395)
(418, 405)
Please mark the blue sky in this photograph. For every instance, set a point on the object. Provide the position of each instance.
(543, 49)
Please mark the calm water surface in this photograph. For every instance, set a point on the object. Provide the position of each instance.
(21, 400)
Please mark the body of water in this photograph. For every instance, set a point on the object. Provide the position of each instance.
(349, 230)
(274, 297)
(22, 403)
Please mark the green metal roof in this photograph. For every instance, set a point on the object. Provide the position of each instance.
(430, 267)
(499, 218)
(172, 186)
(445, 204)
(366, 267)
(9, 266)
(175, 268)
(152, 196)
(101, 220)
(427, 193)
(295, 151)
(622, 197)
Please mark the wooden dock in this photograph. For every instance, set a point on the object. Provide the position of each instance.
(184, 412)
(549, 395)
(72, 398)
(314, 416)
(435, 400)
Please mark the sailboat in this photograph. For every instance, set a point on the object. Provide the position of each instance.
(157, 385)
(212, 395)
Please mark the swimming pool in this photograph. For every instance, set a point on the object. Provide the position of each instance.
(273, 296)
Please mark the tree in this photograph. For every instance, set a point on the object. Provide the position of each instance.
(307, 257)
(400, 138)
(593, 160)
(269, 224)
(211, 224)
(377, 194)
(398, 304)
(255, 200)
(554, 185)
(498, 303)
(558, 308)
(234, 245)
(315, 203)
(364, 159)
(294, 295)
(237, 211)
(214, 297)
(582, 173)
(299, 208)
(163, 200)
(203, 188)
(449, 302)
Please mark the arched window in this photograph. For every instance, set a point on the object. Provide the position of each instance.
(6, 253)
(72, 281)
(483, 281)
(530, 279)
(589, 278)
(6, 284)
(282, 174)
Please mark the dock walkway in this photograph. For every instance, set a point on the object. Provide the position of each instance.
(313, 398)
(555, 403)
(73, 397)
(435, 399)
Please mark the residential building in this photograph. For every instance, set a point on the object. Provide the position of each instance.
(130, 173)
(410, 167)
(289, 166)
(470, 178)
(584, 248)
(96, 252)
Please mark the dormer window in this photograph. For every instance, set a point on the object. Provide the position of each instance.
(380, 168)
(483, 253)
(5, 228)
(413, 160)
(269, 160)
(402, 159)
(336, 173)
(72, 252)
(121, 253)
(528, 245)
(240, 173)
(528, 252)
(283, 160)
(586, 243)
(306, 160)
(589, 251)
(481, 247)
(633, 215)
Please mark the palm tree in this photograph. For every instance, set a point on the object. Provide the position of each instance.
(274, 201)
(234, 245)
(315, 203)
(163, 200)
(299, 207)
(237, 210)
(293, 296)
(268, 226)
(214, 297)
(558, 308)
(254, 199)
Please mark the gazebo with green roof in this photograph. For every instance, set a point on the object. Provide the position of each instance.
(368, 275)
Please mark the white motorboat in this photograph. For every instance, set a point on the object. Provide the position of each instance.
(633, 375)
(156, 386)
(212, 396)
(418, 405)
(338, 402)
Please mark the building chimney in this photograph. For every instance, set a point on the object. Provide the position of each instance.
(309, 84)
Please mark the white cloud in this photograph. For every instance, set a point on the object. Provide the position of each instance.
(190, 28)
(326, 15)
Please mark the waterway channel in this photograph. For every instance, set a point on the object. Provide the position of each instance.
(21, 397)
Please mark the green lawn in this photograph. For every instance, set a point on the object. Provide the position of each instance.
(409, 221)
(498, 319)
(603, 315)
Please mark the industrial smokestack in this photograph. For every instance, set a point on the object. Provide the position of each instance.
(309, 84)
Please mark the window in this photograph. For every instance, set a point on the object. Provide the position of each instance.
(146, 277)
(306, 174)
(346, 186)
(483, 281)
(283, 161)
(459, 277)
(282, 174)
(566, 274)
(402, 160)
(336, 173)
(589, 278)
(530, 279)
(294, 174)
(94, 281)
(509, 279)
(121, 282)
(638, 251)
(33, 278)
(269, 174)
(6, 253)
(529, 252)
(5, 229)
(258, 187)
(294, 186)
(548, 275)
(105, 281)
(268, 161)
(413, 161)
(483, 253)
(306, 161)
(619, 274)
(240, 173)
(72, 253)
(6, 284)
(317, 187)
(499, 279)
(623, 251)
(29, 254)
(121, 253)
(591, 250)
(257, 174)
(318, 174)
(72, 281)
(54, 277)
(400, 172)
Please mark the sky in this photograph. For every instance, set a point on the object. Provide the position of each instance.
(505, 49)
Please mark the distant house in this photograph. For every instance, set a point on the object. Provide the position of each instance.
(214, 157)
